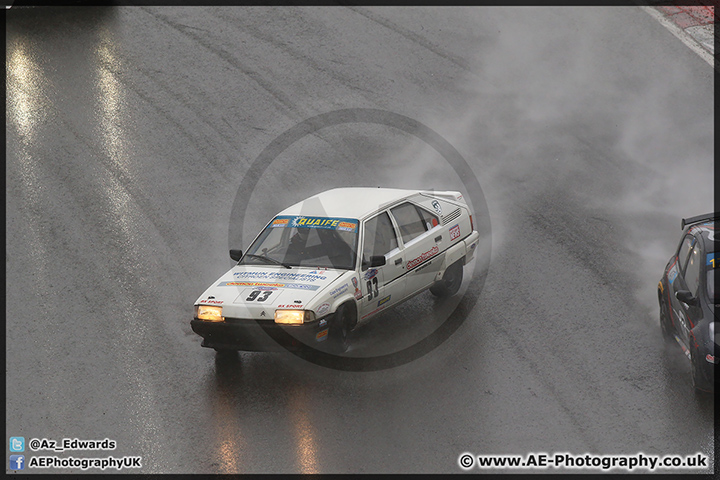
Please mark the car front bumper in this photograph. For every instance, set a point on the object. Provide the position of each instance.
(260, 335)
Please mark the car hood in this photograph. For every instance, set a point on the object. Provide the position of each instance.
(250, 291)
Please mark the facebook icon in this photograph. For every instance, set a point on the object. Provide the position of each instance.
(17, 462)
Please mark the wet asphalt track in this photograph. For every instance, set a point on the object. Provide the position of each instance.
(129, 131)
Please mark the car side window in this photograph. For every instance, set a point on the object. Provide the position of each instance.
(431, 220)
(687, 244)
(379, 237)
(692, 274)
(410, 222)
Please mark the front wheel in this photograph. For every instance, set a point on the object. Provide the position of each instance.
(340, 326)
(451, 281)
(226, 354)
(665, 325)
(698, 380)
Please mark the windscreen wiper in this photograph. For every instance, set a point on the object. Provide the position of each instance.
(268, 259)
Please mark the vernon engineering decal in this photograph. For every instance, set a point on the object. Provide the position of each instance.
(424, 256)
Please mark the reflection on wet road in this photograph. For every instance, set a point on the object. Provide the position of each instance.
(130, 129)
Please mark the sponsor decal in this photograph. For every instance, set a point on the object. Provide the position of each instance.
(322, 323)
(255, 295)
(347, 226)
(355, 282)
(383, 301)
(329, 223)
(423, 256)
(289, 306)
(216, 302)
(339, 291)
(317, 272)
(454, 232)
(321, 335)
(423, 267)
(437, 207)
(374, 311)
(303, 277)
(370, 274)
(250, 284)
(297, 286)
(323, 309)
(672, 274)
(358, 294)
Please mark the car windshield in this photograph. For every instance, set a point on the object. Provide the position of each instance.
(322, 242)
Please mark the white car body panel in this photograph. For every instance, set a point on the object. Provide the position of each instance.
(256, 291)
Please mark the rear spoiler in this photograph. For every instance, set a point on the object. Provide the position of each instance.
(447, 195)
(698, 219)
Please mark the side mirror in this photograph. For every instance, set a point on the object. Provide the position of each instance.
(377, 260)
(236, 255)
(686, 297)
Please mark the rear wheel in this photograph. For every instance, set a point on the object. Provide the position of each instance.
(451, 281)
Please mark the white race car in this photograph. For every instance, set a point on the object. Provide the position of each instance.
(327, 263)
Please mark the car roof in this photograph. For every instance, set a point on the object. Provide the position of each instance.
(349, 202)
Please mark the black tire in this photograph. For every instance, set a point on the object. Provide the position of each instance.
(699, 383)
(451, 281)
(226, 353)
(665, 326)
(340, 326)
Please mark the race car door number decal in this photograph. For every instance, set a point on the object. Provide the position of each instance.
(259, 295)
(370, 284)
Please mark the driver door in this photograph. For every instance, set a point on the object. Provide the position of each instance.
(687, 279)
(381, 285)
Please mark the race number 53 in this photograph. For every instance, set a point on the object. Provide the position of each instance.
(372, 286)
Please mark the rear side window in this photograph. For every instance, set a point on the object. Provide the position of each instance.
(684, 251)
(412, 221)
(431, 221)
(692, 274)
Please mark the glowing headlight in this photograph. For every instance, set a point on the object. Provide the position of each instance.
(209, 313)
(293, 317)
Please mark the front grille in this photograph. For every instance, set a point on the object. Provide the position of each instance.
(452, 216)
(247, 320)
